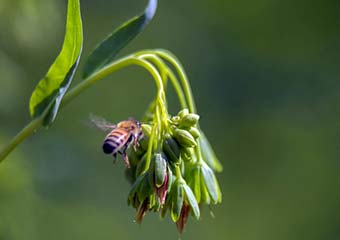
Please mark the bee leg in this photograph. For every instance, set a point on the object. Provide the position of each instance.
(114, 158)
(135, 142)
(125, 157)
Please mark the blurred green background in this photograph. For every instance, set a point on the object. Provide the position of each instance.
(266, 79)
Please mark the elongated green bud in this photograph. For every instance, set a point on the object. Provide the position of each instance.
(187, 154)
(160, 170)
(177, 200)
(183, 112)
(196, 183)
(184, 138)
(171, 149)
(204, 191)
(175, 120)
(211, 184)
(189, 120)
(194, 132)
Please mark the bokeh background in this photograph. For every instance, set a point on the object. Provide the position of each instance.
(266, 78)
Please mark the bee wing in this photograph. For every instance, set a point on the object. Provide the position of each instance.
(101, 123)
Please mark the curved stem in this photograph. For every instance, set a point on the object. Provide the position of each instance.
(158, 62)
(178, 173)
(114, 66)
(187, 89)
(183, 77)
(161, 65)
(20, 137)
(150, 148)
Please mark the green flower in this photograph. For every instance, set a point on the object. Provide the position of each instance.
(182, 201)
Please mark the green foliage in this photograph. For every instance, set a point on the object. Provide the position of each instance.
(47, 96)
(107, 50)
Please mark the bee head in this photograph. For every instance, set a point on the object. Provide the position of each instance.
(138, 124)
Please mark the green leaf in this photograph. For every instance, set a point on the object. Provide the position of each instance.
(106, 51)
(211, 184)
(47, 96)
(208, 154)
(192, 201)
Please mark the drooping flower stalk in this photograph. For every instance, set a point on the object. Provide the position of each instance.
(173, 169)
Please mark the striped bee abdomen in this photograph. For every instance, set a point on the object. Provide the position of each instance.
(114, 141)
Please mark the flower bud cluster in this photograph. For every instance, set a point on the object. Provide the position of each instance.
(173, 173)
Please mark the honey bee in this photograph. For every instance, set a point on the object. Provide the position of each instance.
(120, 137)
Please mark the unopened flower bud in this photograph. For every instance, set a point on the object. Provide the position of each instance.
(160, 170)
(160, 177)
(183, 112)
(210, 183)
(194, 132)
(184, 138)
(175, 119)
(177, 200)
(189, 120)
(187, 154)
(171, 149)
(195, 183)
(182, 220)
(162, 190)
(143, 208)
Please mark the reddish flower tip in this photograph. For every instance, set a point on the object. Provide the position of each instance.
(183, 217)
(143, 208)
(163, 190)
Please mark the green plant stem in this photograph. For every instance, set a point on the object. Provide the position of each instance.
(158, 62)
(198, 153)
(187, 89)
(183, 77)
(21, 136)
(161, 65)
(150, 148)
(178, 173)
(114, 66)
(74, 92)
